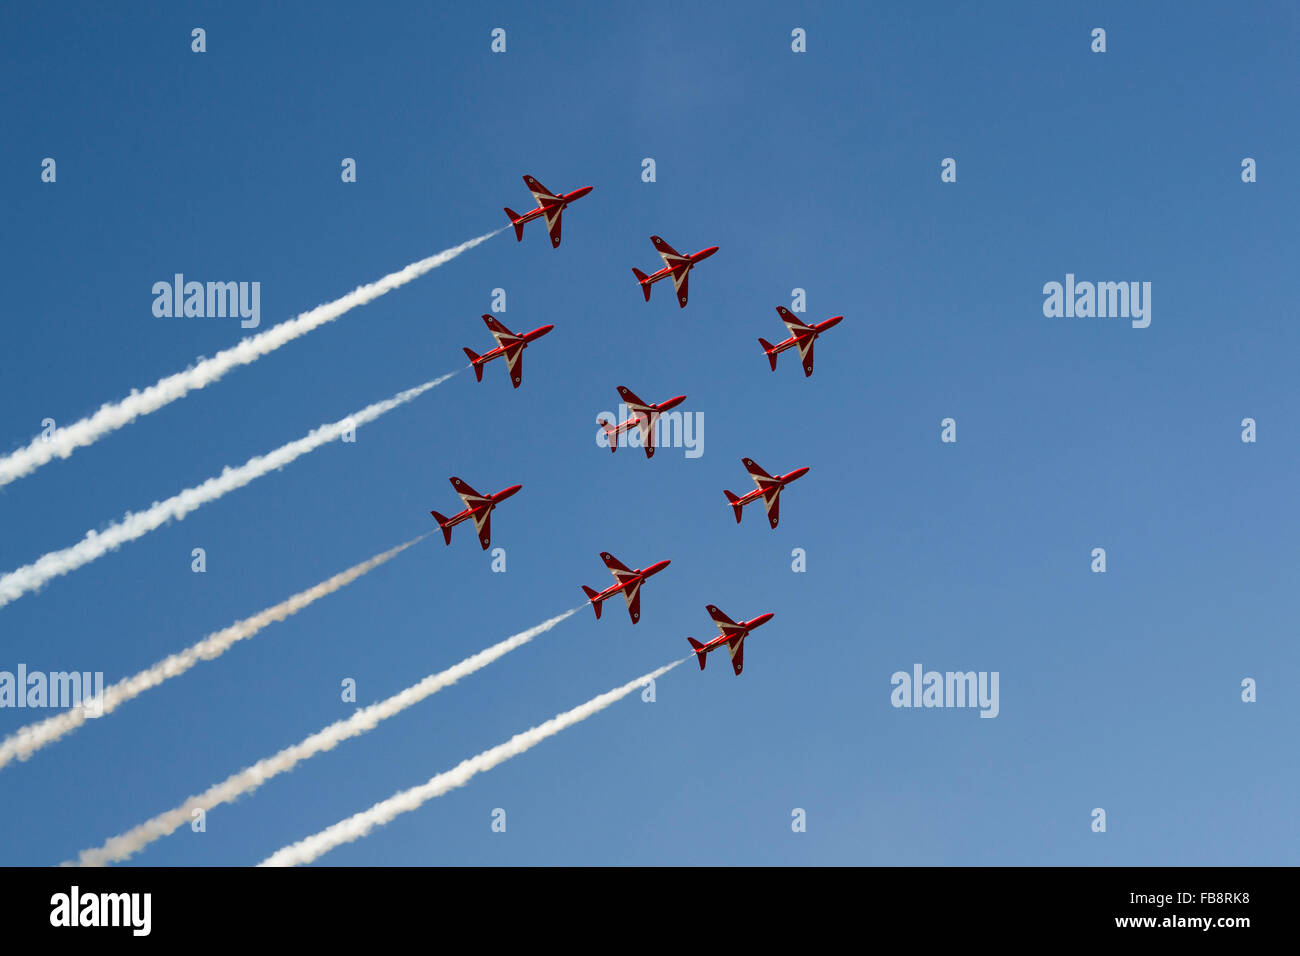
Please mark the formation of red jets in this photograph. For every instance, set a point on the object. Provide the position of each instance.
(511, 345)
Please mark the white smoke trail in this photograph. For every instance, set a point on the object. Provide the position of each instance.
(27, 740)
(135, 525)
(359, 824)
(250, 778)
(115, 415)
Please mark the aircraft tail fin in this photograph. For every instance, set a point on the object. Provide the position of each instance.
(514, 221)
(698, 648)
(771, 356)
(735, 505)
(641, 277)
(593, 597)
(478, 367)
(442, 523)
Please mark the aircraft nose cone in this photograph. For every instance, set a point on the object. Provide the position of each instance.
(578, 194)
(763, 619)
(797, 473)
(708, 252)
(508, 492)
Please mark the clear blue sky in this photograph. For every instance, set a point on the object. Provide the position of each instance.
(818, 171)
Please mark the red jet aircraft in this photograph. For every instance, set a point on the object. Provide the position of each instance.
(643, 414)
(629, 583)
(510, 344)
(769, 489)
(733, 637)
(478, 507)
(676, 265)
(802, 336)
(549, 205)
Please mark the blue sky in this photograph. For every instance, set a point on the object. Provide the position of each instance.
(817, 170)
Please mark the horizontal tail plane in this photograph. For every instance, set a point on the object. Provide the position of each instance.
(610, 432)
(442, 523)
(517, 222)
(478, 365)
(699, 650)
(642, 278)
(594, 597)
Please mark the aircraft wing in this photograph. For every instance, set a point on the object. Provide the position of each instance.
(543, 195)
(670, 255)
(724, 624)
(736, 647)
(646, 420)
(772, 500)
(792, 322)
(682, 280)
(806, 353)
(631, 401)
(499, 332)
(632, 594)
(468, 495)
(515, 361)
(755, 472)
(483, 525)
(553, 215)
(615, 565)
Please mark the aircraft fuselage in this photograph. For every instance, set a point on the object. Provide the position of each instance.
(527, 337)
(782, 480)
(492, 502)
(561, 202)
(741, 630)
(668, 272)
(799, 337)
